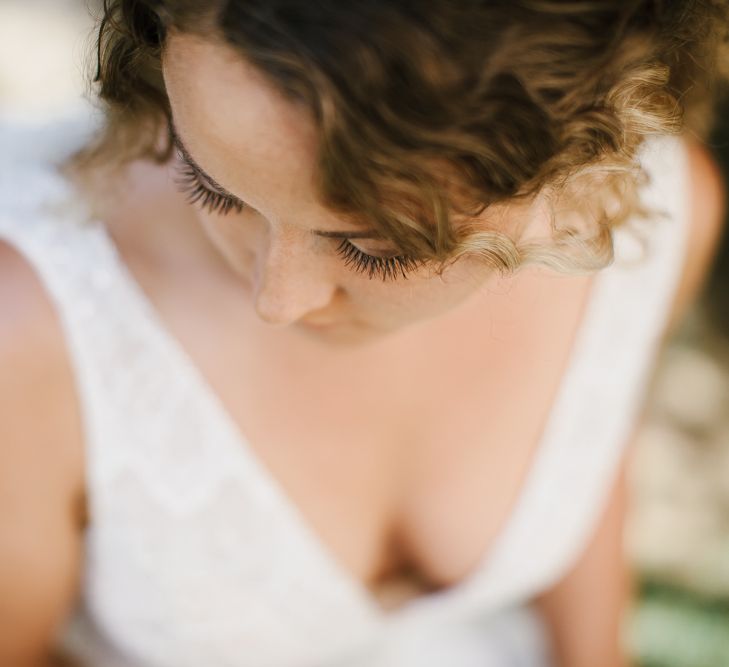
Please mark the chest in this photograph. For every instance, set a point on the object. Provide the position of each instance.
(405, 462)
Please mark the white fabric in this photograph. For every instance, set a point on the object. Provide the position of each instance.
(195, 556)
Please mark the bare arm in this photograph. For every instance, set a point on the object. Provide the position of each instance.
(40, 471)
(584, 611)
(708, 215)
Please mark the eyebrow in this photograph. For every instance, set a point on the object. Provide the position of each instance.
(185, 154)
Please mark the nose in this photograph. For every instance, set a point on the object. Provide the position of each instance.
(288, 284)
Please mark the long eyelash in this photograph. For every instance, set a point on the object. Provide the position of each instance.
(386, 268)
(197, 192)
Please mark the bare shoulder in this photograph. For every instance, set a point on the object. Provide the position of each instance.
(41, 467)
(707, 210)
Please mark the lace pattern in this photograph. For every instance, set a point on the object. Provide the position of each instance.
(194, 557)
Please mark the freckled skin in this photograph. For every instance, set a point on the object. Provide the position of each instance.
(261, 147)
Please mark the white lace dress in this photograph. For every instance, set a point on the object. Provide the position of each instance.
(195, 557)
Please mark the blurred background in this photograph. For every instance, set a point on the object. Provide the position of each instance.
(678, 534)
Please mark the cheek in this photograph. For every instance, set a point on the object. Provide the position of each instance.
(422, 297)
(458, 284)
(231, 239)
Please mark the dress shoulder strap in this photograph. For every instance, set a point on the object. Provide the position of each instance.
(140, 397)
(42, 219)
(597, 408)
(594, 414)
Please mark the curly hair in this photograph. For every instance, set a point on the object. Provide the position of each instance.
(428, 112)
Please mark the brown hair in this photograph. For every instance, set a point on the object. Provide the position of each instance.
(432, 110)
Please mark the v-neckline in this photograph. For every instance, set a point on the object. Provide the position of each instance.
(245, 453)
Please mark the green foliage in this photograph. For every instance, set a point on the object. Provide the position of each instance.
(671, 627)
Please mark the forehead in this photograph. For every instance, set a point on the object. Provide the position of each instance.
(233, 120)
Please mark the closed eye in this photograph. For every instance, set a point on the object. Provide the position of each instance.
(197, 192)
(191, 184)
(386, 268)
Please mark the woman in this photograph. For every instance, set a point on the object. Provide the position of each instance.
(314, 355)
